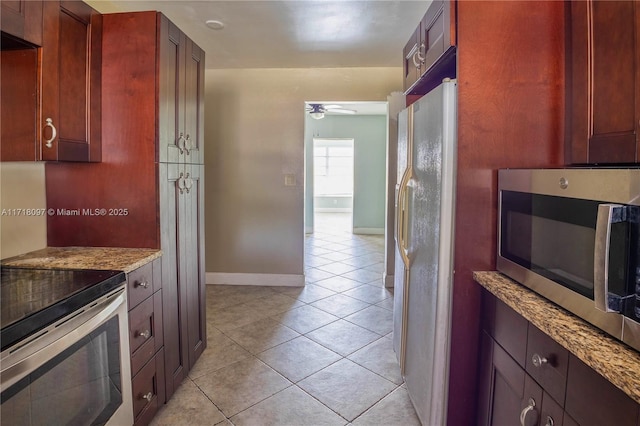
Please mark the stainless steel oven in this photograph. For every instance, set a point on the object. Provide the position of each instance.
(65, 348)
(573, 236)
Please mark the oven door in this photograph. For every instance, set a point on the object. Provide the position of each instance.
(75, 371)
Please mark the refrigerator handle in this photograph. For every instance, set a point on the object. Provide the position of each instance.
(402, 218)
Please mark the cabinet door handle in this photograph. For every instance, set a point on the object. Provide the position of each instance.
(188, 183)
(538, 361)
(181, 143)
(143, 284)
(526, 410)
(54, 133)
(549, 421)
(148, 396)
(146, 334)
(181, 183)
(188, 146)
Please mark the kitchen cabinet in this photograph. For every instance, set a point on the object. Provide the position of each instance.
(603, 82)
(429, 55)
(146, 341)
(182, 209)
(22, 20)
(51, 103)
(181, 88)
(548, 387)
(149, 201)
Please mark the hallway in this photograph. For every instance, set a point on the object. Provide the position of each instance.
(318, 355)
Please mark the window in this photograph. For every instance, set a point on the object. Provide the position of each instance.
(333, 167)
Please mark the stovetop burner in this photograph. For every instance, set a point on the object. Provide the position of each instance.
(31, 299)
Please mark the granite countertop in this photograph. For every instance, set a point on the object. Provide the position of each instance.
(614, 360)
(111, 258)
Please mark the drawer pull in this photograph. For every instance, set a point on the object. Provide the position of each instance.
(526, 410)
(148, 396)
(143, 284)
(538, 361)
(146, 334)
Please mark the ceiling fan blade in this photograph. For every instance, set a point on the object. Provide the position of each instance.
(342, 110)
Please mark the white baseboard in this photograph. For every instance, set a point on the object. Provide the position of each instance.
(276, 280)
(368, 231)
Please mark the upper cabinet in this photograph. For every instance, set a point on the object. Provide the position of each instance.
(430, 52)
(181, 114)
(51, 91)
(22, 19)
(603, 82)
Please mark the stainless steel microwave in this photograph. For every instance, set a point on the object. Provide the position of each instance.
(573, 236)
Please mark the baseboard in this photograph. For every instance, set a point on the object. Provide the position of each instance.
(368, 231)
(275, 280)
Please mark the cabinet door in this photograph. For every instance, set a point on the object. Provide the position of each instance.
(171, 137)
(411, 61)
(194, 104)
(22, 19)
(71, 82)
(436, 33)
(603, 82)
(174, 306)
(506, 392)
(191, 256)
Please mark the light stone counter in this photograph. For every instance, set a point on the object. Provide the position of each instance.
(105, 258)
(617, 362)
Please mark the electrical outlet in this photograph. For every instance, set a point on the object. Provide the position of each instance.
(289, 180)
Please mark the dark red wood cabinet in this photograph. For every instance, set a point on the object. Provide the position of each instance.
(549, 387)
(603, 82)
(51, 91)
(429, 55)
(150, 180)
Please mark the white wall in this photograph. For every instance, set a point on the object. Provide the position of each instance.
(254, 135)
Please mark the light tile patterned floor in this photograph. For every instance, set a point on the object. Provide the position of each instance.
(317, 355)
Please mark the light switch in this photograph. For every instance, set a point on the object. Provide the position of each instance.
(289, 180)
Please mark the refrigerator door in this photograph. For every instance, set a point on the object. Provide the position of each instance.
(427, 294)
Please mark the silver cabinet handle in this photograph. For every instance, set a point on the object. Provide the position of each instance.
(601, 256)
(188, 183)
(549, 421)
(181, 183)
(148, 396)
(54, 133)
(142, 284)
(526, 410)
(538, 361)
(181, 143)
(188, 146)
(146, 334)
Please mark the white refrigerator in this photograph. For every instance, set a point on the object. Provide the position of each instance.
(425, 203)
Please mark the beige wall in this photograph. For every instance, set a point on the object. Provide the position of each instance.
(254, 136)
(22, 187)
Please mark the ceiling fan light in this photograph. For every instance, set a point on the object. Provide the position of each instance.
(317, 115)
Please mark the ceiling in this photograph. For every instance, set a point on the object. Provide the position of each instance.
(292, 33)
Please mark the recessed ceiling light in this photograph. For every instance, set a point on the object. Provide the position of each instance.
(214, 24)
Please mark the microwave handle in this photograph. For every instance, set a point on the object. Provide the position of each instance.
(601, 255)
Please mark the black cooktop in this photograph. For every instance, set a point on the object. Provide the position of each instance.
(31, 299)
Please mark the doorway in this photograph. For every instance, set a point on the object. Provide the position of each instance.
(333, 190)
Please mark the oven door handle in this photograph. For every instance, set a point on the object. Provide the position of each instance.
(22, 359)
(606, 216)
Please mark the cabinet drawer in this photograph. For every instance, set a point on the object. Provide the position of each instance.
(145, 323)
(510, 331)
(148, 390)
(547, 363)
(592, 400)
(140, 284)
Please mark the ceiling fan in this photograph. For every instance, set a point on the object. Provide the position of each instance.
(317, 111)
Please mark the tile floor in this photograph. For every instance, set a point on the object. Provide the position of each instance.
(317, 355)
